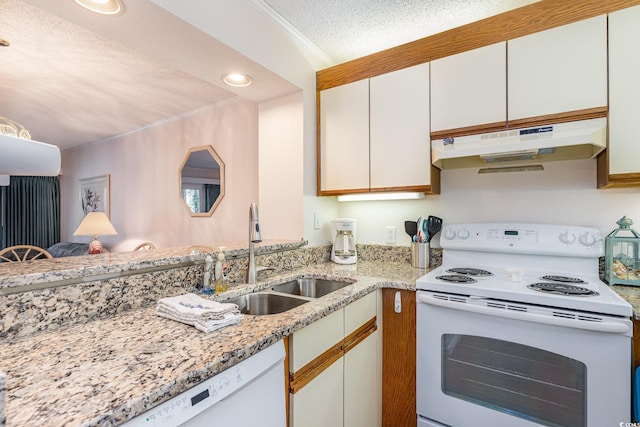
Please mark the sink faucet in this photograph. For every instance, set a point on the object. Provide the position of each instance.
(254, 237)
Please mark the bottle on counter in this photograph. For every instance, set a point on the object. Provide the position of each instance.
(207, 279)
(221, 273)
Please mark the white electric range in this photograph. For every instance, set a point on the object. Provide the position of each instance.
(510, 304)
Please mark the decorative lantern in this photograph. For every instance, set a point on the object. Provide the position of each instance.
(622, 255)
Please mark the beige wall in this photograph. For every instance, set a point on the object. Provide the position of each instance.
(143, 166)
(281, 167)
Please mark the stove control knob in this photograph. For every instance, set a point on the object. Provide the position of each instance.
(567, 237)
(463, 234)
(449, 233)
(587, 239)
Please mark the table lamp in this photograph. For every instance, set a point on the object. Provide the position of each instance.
(95, 224)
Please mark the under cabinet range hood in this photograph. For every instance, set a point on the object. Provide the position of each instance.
(582, 139)
(19, 156)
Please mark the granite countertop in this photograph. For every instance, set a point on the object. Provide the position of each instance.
(105, 372)
(108, 371)
(632, 295)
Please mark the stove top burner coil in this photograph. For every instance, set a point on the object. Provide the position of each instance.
(562, 289)
(456, 278)
(563, 279)
(478, 272)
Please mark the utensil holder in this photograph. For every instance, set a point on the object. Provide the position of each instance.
(420, 257)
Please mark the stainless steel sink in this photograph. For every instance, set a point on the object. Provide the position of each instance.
(311, 288)
(263, 303)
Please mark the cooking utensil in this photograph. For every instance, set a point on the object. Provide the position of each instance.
(411, 228)
(434, 225)
(422, 229)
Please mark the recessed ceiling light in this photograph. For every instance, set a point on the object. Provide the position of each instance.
(237, 80)
(105, 7)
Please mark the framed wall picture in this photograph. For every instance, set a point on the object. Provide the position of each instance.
(94, 194)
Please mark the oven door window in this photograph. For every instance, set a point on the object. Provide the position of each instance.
(537, 385)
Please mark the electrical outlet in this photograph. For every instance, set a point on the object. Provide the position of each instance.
(390, 235)
(316, 221)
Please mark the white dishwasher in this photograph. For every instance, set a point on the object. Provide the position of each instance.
(250, 393)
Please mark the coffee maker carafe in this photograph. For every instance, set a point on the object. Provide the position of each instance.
(344, 241)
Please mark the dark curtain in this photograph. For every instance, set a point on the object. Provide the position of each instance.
(211, 193)
(30, 211)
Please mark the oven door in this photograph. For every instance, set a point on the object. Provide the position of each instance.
(506, 365)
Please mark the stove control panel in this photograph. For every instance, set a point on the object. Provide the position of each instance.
(563, 240)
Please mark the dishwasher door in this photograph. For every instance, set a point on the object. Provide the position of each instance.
(247, 394)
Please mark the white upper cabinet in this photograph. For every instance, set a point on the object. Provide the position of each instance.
(344, 133)
(400, 147)
(624, 91)
(374, 134)
(559, 70)
(469, 88)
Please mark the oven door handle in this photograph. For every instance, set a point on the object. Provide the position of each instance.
(608, 327)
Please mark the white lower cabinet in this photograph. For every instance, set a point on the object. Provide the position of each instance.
(334, 369)
(320, 402)
(361, 384)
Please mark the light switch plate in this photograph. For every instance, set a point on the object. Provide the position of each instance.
(316, 221)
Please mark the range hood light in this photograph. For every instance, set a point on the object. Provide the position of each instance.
(380, 196)
(525, 168)
(104, 7)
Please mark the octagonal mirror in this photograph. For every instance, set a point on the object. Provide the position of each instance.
(202, 180)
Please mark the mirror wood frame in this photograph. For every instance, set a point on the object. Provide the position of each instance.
(217, 159)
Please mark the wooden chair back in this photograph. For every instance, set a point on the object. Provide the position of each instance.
(20, 253)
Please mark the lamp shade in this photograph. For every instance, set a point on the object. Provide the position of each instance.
(95, 224)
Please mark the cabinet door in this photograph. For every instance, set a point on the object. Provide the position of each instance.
(361, 384)
(559, 70)
(469, 89)
(399, 359)
(624, 91)
(344, 137)
(399, 128)
(320, 402)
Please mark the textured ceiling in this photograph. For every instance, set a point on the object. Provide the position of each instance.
(348, 29)
(72, 77)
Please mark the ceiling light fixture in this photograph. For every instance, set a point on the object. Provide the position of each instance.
(4, 42)
(380, 196)
(237, 79)
(104, 7)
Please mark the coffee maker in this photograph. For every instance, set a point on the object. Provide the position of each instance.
(344, 241)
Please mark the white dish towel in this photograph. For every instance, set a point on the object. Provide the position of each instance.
(204, 314)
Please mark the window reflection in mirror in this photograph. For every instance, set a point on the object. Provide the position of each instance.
(202, 180)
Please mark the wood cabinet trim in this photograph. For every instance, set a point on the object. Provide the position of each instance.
(621, 180)
(539, 16)
(359, 335)
(549, 119)
(399, 359)
(568, 116)
(306, 374)
(303, 376)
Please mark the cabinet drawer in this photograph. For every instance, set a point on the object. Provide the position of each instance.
(313, 340)
(359, 312)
